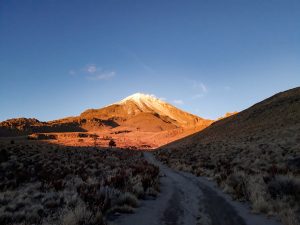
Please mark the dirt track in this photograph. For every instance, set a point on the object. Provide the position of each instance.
(186, 200)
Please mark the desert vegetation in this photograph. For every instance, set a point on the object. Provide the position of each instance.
(112, 143)
(269, 180)
(50, 184)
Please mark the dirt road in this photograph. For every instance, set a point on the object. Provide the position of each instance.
(189, 200)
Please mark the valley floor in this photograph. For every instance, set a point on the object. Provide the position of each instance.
(186, 199)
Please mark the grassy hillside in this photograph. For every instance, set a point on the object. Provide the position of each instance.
(253, 155)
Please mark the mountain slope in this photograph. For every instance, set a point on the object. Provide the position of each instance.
(253, 155)
(274, 118)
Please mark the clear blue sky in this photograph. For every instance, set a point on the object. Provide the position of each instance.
(208, 57)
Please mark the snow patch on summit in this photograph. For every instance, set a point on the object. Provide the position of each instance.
(140, 97)
(150, 103)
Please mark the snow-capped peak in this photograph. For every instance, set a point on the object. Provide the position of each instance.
(150, 103)
(140, 97)
(147, 102)
(140, 102)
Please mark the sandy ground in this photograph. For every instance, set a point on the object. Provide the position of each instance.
(186, 200)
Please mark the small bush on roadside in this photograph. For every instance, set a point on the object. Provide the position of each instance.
(80, 215)
(238, 182)
(138, 190)
(258, 194)
(128, 199)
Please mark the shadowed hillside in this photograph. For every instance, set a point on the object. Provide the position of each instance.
(254, 155)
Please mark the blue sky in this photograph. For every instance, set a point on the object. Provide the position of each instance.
(59, 57)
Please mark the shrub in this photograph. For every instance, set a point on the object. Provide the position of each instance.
(138, 190)
(238, 182)
(258, 194)
(128, 199)
(112, 143)
(289, 217)
(152, 192)
(81, 216)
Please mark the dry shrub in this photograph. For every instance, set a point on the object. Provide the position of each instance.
(289, 217)
(128, 199)
(257, 190)
(237, 182)
(152, 192)
(138, 190)
(80, 215)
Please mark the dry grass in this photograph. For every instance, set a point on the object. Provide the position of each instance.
(81, 215)
(128, 199)
(49, 184)
(270, 182)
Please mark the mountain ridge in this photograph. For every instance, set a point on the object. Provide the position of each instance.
(137, 112)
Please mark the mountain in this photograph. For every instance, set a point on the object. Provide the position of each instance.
(138, 112)
(147, 113)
